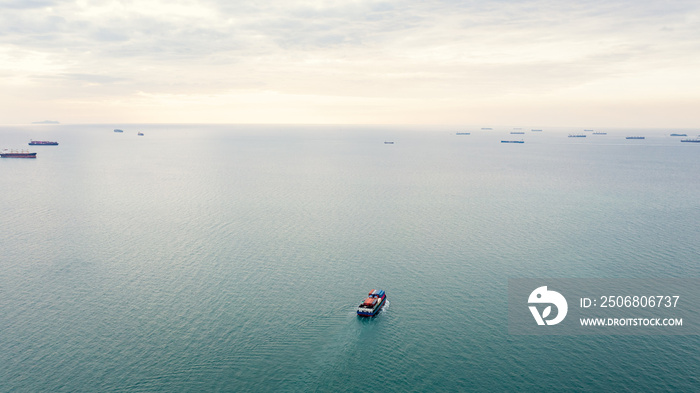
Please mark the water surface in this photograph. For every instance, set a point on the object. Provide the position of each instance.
(232, 258)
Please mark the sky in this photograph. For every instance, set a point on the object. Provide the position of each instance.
(590, 63)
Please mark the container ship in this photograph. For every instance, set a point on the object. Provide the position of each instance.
(504, 141)
(42, 143)
(696, 140)
(374, 302)
(679, 134)
(17, 154)
(577, 135)
(634, 137)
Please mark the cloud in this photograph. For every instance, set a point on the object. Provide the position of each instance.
(114, 34)
(91, 78)
(383, 51)
(26, 4)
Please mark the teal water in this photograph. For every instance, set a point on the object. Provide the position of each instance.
(232, 258)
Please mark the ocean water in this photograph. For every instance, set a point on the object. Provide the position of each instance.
(233, 257)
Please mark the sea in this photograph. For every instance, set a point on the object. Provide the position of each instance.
(232, 258)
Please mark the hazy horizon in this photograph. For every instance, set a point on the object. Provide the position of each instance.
(418, 126)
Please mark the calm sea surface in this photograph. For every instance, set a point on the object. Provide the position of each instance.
(232, 258)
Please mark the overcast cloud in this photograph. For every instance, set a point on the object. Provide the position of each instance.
(616, 63)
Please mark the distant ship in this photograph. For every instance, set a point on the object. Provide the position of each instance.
(388, 142)
(577, 135)
(536, 130)
(679, 134)
(140, 133)
(44, 143)
(464, 133)
(634, 137)
(587, 130)
(372, 304)
(486, 128)
(600, 133)
(512, 141)
(517, 132)
(695, 140)
(118, 130)
(17, 154)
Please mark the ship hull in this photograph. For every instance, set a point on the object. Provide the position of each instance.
(17, 155)
(42, 143)
(364, 311)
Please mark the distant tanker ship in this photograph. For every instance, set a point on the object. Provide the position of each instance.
(44, 143)
(17, 154)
